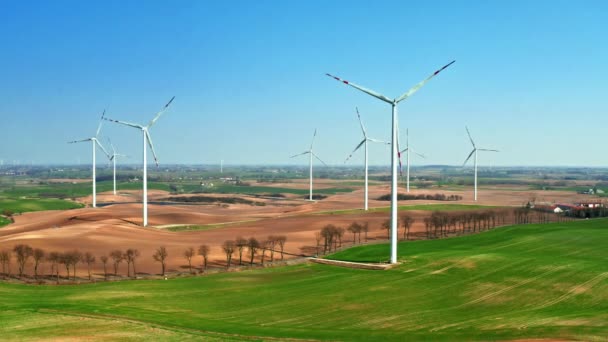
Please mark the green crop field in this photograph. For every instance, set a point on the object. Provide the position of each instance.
(517, 282)
(73, 190)
(22, 205)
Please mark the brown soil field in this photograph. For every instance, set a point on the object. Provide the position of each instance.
(117, 226)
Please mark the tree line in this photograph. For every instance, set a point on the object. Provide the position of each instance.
(436, 225)
(251, 247)
(429, 197)
(24, 254)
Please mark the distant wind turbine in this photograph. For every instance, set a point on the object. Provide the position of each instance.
(147, 140)
(113, 159)
(364, 143)
(95, 144)
(394, 147)
(311, 154)
(408, 149)
(475, 149)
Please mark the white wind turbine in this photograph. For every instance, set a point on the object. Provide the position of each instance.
(96, 143)
(147, 140)
(113, 159)
(475, 149)
(394, 147)
(311, 154)
(408, 149)
(362, 143)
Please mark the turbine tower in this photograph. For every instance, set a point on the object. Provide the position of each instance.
(408, 149)
(95, 144)
(475, 149)
(113, 159)
(394, 147)
(364, 143)
(147, 140)
(311, 154)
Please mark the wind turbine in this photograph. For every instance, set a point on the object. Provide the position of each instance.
(147, 140)
(394, 147)
(475, 149)
(408, 149)
(311, 153)
(362, 143)
(113, 159)
(95, 144)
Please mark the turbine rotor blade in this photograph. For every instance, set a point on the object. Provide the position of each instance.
(355, 150)
(102, 148)
(378, 141)
(100, 122)
(485, 149)
(313, 139)
(161, 112)
(77, 141)
(365, 90)
(404, 150)
(125, 123)
(421, 84)
(299, 154)
(111, 146)
(318, 158)
(472, 142)
(149, 139)
(421, 155)
(469, 157)
(361, 123)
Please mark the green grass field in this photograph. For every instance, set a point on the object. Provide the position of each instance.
(534, 281)
(4, 221)
(424, 207)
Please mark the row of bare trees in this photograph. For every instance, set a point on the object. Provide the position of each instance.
(23, 253)
(438, 224)
(252, 247)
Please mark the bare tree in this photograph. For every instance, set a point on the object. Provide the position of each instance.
(228, 248)
(188, 254)
(203, 250)
(272, 242)
(252, 244)
(281, 239)
(328, 233)
(89, 259)
(365, 229)
(117, 257)
(265, 245)
(387, 225)
(161, 256)
(5, 260)
(355, 228)
(54, 258)
(22, 253)
(65, 260)
(38, 255)
(104, 261)
(240, 243)
(318, 238)
(74, 257)
(408, 221)
(130, 255)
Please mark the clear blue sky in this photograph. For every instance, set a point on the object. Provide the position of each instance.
(530, 78)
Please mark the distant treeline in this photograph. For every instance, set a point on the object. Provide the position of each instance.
(208, 199)
(408, 197)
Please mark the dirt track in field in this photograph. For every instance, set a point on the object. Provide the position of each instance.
(117, 226)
